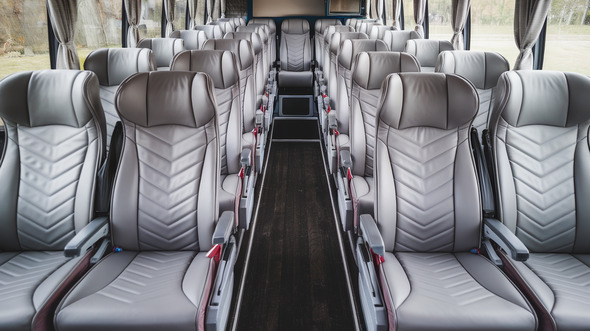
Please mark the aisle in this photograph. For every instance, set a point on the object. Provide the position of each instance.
(296, 279)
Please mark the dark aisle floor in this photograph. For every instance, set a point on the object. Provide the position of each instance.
(295, 277)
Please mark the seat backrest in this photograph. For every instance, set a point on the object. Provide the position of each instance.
(366, 27)
(328, 33)
(321, 25)
(242, 49)
(426, 191)
(539, 129)
(396, 39)
(55, 144)
(377, 31)
(165, 190)
(231, 22)
(222, 67)
(262, 30)
(211, 31)
(427, 50)
(482, 69)
(164, 49)
(238, 21)
(113, 66)
(295, 45)
(272, 35)
(258, 47)
(337, 39)
(351, 22)
(193, 39)
(370, 70)
(349, 49)
(223, 25)
(358, 23)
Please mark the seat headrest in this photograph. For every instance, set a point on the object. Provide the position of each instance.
(351, 47)
(259, 29)
(193, 39)
(481, 68)
(268, 21)
(114, 65)
(452, 101)
(295, 26)
(211, 31)
(231, 22)
(396, 39)
(427, 50)
(339, 37)
(377, 31)
(242, 49)
(221, 66)
(225, 26)
(164, 48)
(238, 21)
(535, 97)
(336, 28)
(322, 24)
(252, 37)
(365, 27)
(372, 67)
(167, 98)
(50, 97)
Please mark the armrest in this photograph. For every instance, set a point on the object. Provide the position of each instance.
(501, 235)
(372, 235)
(332, 121)
(345, 159)
(259, 117)
(224, 228)
(88, 236)
(246, 157)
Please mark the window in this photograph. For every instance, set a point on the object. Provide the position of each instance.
(567, 42)
(492, 28)
(408, 11)
(439, 19)
(98, 26)
(23, 36)
(179, 15)
(150, 23)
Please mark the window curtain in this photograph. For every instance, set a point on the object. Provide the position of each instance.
(133, 11)
(460, 9)
(222, 8)
(216, 10)
(396, 13)
(209, 11)
(169, 10)
(379, 10)
(419, 12)
(192, 13)
(64, 14)
(529, 17)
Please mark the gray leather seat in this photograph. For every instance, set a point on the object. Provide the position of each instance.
(164, 49)
(326, 62)
(367, 27)
(193, 39)
(378, 31)
(225, 26)
(258, 47)
(396, 39)
(164, 214)
(272, 35)
(482, 69)
(113, 66)
(222, 67)
(351, 22)
(55, 144)
(428, 216)
(211, 31)
(539, 129)
(295, 54)
(321, 25)
(238, 21)
(427, 50)
(369, 72)
(231, 22)
(335, 45)
(264, 32)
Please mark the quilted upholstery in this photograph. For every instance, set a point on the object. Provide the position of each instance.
(113, 66)
(429, 214)
(193, 39)
(427, 50)
(539, 126)
(55, 144)
(396, 40)
(164, 49)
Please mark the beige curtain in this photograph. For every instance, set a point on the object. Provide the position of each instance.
(216, 10)
(396, 13)
(133, 11)
(222, 8)
(388, 15)
(419, 12)
(169, 10)
(380, 4)
(64, 14)
(460, 9)
(209, 11)
(196, 11)
(529, 17)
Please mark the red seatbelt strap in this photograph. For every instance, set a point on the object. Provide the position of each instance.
(215, 253)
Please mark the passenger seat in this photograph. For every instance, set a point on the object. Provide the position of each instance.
(321, 25)
(193, 39)
(377, 31)
(295, 54)
(427, 50)
(164, 50)
(211, 31)
(396, 40)
(272, 36)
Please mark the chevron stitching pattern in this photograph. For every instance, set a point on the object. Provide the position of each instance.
(107, 99)
(20, 276)
(423, 162)
(568, 277)
(225, 100)
(543, 170)
(51, 162)
(441, 278)
(295, 45)
(481, 119)
(170, 167)
(151, 276)
(368, 100)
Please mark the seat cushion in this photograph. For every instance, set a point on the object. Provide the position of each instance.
(28, 283)
(445, 291)
(139, 291)
(561, 282)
